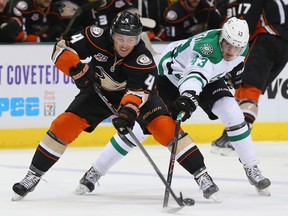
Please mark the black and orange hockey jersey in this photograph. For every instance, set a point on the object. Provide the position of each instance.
(133, 75)
(262, 16)
(44, 24)
(181, 22)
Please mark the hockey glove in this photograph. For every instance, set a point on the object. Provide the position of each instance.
(83, 75)
(186, 103)
(10, 29)
(126, 118)
(234, 77)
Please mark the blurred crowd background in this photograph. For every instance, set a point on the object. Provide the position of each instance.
(50, 20)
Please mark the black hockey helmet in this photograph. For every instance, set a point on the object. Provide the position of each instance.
(127, 23)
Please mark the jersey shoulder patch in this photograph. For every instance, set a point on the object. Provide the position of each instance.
(175, 13)
(206, 49)
(96, 31)
(20, 7)
(171, 15)
(207, 45)
(144, 60)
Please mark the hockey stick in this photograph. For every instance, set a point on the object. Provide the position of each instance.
(180, 201)
(11, 6)
(147, 22)
(148, 44)
(172, 159)
(94, 4)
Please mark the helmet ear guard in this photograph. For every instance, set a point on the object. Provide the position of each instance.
(235, 32)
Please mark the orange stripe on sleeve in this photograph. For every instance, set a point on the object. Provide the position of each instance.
(140, 68)
(66, 60)
(131, 99)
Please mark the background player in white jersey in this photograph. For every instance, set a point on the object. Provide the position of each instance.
(191, 72)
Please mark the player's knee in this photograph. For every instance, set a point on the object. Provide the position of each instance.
(162, 128)
(68, 126)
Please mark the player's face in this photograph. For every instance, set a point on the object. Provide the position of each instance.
(124, 44)
(229, 51)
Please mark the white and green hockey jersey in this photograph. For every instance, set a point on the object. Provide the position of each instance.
(193, 63)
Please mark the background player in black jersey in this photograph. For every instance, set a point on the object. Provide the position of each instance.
(10, 26)
(101, 16)
(124, 68)
(189, 17)
(267, 57)
(41, 20)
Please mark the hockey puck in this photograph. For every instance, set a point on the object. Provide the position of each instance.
(189, 201)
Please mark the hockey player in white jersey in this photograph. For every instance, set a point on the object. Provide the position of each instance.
(198, 68)
(197, 71)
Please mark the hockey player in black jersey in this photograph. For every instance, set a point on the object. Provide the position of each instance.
(41, 20)
(126, 72)
(267, 57)
(10, 26)
(190, 17)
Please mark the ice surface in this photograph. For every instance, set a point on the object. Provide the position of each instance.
(133, 188)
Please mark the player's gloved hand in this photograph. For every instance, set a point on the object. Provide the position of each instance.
(9, 29)
(83, 75)
(234, 77)
(186, 103)
(126, 118)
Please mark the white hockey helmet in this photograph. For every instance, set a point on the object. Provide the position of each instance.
(235, 32)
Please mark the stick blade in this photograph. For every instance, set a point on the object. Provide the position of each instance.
(147, 22)
(171, 210)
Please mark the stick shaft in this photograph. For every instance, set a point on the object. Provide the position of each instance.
(138, 143)
(172, 160)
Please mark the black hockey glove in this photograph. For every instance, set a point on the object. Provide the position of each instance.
(83, 75)
(234, 77)
(186, 103)
(9, 30)
(127, 116)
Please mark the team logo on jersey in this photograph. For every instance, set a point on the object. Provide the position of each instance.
(119, 4)
(107, 82)
(206, 49)
(20, 6)
(171, 15)
(96, 31)
(100, 57)
(143, 60)
(17, 12)
(35, 17)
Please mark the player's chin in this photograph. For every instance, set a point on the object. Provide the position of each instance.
(229, 57)
(124, 54)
